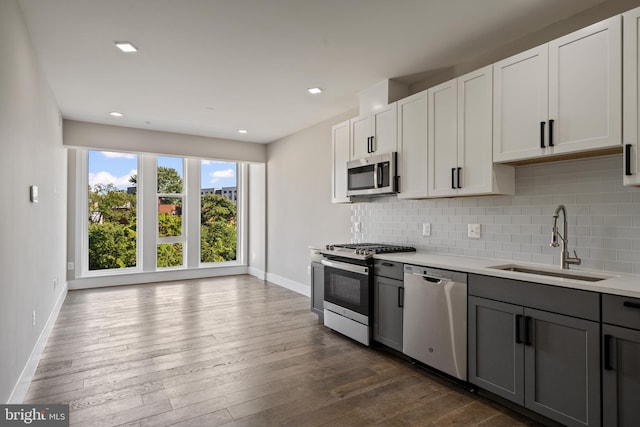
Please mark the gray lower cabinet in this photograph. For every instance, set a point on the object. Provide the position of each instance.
(621, 361)
(548, 362)
(317, 288)
(388, 311)
(496, 358)
(388, 303)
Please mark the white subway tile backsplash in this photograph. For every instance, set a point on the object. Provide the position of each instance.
(604, 218)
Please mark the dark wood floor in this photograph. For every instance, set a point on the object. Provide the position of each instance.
(232, 351)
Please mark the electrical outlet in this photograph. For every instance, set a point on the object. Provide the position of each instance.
(473, 231)
(356, 226)
(33, 318)
(426, 229)
(70, 266)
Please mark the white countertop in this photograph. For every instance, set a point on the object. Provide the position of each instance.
(614, 283)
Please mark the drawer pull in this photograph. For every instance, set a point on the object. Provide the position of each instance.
(632, 304)
(387, 264)
(607, 352)
(519, 325)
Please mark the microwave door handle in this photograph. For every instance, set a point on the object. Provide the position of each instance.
(375, 175)
(380, 179)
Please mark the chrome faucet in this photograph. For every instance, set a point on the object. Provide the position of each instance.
(565, 259)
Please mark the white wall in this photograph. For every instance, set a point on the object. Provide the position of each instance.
(33, 236)
(257, 220)
(118, 138)
(299, 208)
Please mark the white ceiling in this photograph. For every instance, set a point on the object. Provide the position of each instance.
(211, 67)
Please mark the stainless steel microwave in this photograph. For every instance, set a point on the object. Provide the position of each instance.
(373, 175)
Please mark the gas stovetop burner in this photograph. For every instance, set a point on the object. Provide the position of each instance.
(368, 249)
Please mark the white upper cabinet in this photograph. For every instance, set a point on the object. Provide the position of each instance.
(562, 97)
(412, 146)
(374, 133)
(631, 97)
(520, 107)
(340, 152)
(460, 139)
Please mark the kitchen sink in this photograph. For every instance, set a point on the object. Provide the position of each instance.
(553, 273)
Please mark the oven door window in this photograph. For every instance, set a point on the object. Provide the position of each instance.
(347, 289)
(361, 178)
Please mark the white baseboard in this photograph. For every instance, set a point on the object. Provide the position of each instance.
(24, 381)
(289, 284)
(155, 276)
(255, 272)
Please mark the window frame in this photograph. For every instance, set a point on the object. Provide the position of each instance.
(147, 216)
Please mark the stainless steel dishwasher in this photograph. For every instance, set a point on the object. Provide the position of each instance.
(435, 318)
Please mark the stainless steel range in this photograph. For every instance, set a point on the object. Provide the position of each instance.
(348, 286)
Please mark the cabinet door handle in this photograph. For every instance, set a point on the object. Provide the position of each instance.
(528, 326)
(453, 178)
(401, 297)
(519, 328)
(550, 132)
(608, 341)
(459, 170)
(373, 144)
(368, 144)
(542, 134)
(627, 159)
(631, 304)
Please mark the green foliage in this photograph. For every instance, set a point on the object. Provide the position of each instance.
(112, 226)
(111, 245)
(169, 225)
(169, 255)
(218, 231)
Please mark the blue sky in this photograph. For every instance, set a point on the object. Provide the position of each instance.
(116, 168)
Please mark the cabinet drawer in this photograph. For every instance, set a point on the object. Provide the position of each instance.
(556, 299)
(621, 311)
(390, 269)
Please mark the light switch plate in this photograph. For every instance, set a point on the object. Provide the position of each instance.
(356, 226)
(33, 193)
(473, 231)
(426, 229)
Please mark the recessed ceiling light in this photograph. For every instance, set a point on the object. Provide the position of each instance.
(242, 131)
(314, 90)
(115, 114)
(126, 47)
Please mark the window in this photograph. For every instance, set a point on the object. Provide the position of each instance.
(112, 210)
(170, 186)
(218, 211)
(147, 213)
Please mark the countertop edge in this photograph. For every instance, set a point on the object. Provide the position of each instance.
(618, 284)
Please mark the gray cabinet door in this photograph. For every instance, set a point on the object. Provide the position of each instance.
(621, 376)
(496, 357)
(317, 288)
(388, 311)
(562, 368)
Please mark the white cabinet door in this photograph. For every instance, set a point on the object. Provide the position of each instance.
(585, 88)
(340, 155)
(631, 96)
(385, 130)
(360, 137)
(412, 146)
(475, 156)
(520, 105)
(443, 138)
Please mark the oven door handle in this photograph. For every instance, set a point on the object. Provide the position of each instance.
(344, 266)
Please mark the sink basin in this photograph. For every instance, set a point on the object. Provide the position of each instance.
(563, 274)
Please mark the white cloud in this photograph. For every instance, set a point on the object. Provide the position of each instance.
(218, 175)
(113, 155)
(104, 177)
